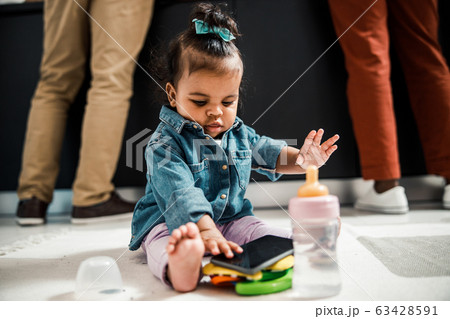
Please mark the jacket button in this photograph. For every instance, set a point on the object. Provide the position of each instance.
(223, 196)
(207, 137)
(224, 167)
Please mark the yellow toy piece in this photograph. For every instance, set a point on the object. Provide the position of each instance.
(312, 187)
(282, 264)
(211, 270)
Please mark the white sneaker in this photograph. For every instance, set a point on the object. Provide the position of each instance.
(393, 201)
(446, 198)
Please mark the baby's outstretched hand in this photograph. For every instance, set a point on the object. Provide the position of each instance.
(314, 153)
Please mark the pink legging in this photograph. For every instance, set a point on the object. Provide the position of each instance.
(240, 231)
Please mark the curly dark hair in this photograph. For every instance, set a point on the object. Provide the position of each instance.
(197, 51)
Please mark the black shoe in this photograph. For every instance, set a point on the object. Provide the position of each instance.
(113, 208)
(31, 212)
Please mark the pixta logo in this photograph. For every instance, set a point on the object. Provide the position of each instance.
(135, 149)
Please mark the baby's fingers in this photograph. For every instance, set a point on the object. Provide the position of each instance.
(331, 150)
(211, 245)
(225, 248)
(331, 140)
(235, 247)
(329, 143)
(318, 137)
(308, 141)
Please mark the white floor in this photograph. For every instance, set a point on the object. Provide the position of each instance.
(40, 263)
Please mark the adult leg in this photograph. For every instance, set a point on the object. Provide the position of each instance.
(118, 30)
(414, 27)
(366, 50)
(62, 72)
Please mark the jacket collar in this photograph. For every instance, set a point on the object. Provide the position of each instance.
(172, 118)
(169, 116)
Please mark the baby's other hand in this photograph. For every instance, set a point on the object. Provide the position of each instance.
(314, 153)
(215, 243)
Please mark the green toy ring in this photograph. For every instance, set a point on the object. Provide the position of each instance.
(267, 285)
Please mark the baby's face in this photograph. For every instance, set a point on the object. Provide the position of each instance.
(208, 98)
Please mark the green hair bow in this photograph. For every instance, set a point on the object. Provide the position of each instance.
(202, 27)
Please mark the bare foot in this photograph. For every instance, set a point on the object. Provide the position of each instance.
(185, 250)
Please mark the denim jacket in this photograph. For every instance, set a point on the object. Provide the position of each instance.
(189, 174)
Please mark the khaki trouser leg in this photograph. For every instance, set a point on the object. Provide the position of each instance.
(119, 34)
(62, 72)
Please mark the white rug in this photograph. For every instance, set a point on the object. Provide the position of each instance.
(371, 251)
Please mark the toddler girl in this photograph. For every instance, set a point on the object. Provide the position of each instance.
(200, 157)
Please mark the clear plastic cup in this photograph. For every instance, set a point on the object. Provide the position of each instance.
(98, 278)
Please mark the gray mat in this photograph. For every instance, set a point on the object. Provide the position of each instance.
(421, 256)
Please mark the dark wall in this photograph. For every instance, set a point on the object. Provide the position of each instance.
(281, 40)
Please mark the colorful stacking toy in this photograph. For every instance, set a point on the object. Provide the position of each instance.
(275, 278)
